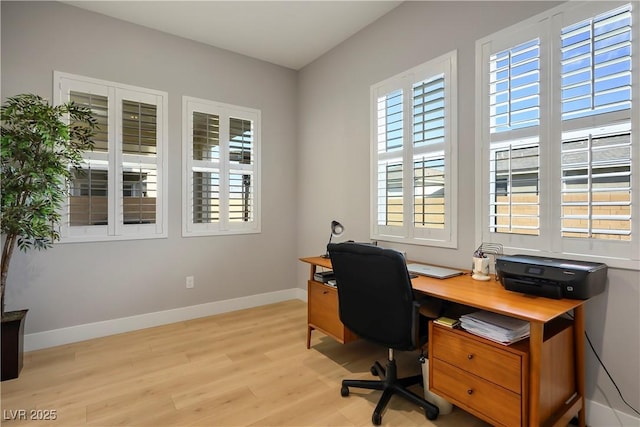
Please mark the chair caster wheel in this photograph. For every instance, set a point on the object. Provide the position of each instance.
(344, 391)
(374, 371)
(376, 419)
(431, 414)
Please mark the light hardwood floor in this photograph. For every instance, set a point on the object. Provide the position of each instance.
(245, 368)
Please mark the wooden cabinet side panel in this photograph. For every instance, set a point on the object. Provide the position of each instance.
(323, 309)
(322, 312)
(557, 376)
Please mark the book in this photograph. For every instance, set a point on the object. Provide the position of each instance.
(324, 276)
(447, 321)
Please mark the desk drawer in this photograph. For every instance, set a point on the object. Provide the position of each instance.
(323, 309)
(476, 395)
(492, 364)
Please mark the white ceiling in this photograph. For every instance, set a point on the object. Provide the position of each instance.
(288, 33)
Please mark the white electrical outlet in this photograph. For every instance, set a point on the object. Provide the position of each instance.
(190, 282)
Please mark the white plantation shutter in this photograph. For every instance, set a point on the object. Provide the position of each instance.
(413, 141)
(596, 65)
(513, 90)
(118, 193)
(514, 188)
(206, 196)
(139, 192)
(97, 100)
(138, 171)
(389, 152)
(390, 194)
(221, 175)
(241, 172)
(596, 185)
(597, 124)
(390, 113)
(562, 175)
(429, 163)
(429, 192)
(205, 168)
(515, 87)
(89, 189)
(429, 112)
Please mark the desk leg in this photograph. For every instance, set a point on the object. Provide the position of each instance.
(535, 358)
(312, 272)
(309, 329)
(578, 339)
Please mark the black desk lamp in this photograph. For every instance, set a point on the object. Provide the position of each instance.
(336, 230)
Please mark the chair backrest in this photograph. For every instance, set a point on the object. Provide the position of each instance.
(374, 293)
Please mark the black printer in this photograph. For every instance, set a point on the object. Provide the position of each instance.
(551, 277)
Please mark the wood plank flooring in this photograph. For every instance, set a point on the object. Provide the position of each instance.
(245, 368)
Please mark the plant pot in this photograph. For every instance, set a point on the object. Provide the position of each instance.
(12, 343)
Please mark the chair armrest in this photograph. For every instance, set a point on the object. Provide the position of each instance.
(430, 307)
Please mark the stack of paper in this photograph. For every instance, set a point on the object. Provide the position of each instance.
(496, 327)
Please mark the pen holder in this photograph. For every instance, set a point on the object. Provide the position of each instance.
(480, 268)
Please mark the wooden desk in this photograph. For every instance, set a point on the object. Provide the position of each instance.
(491, 296)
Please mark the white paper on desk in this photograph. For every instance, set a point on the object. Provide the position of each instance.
(498, 340)
(498, 320)
(493, 334)
(497, 327)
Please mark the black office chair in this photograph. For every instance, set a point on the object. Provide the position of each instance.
(376, 301)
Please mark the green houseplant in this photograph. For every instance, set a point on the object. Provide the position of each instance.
(41, 147)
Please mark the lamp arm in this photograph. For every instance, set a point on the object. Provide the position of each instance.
(326, 255)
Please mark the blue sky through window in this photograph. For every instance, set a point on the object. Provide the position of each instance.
(515, 87)
(596, 65)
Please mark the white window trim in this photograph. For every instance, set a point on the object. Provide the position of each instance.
(225, 111)
(546, 22)
(116, 229)
(447, 238)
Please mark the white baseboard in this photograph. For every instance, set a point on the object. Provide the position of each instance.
(599, 415)
(40, 340)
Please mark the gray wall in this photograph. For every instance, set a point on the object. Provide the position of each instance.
(76, 284)
(334, 159)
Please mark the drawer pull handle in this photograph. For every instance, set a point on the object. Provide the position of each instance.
(470, 391)
(325, 292)
(469, 356)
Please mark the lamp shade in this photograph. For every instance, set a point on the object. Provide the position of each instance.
(336, 228)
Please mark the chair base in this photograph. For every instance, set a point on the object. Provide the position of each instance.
(390, 384)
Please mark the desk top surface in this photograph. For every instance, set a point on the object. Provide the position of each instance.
(489, 295)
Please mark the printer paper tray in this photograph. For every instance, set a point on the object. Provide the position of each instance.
(533, 287)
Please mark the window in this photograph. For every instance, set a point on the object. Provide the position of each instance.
(414, 155)
(119, 191)
(221, 151)
(559, 131)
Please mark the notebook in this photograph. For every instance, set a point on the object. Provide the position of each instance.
(432, 271)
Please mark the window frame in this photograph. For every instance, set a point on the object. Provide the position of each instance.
(548, 26)
(225, 112)
(445, 65)
(116, 228)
